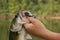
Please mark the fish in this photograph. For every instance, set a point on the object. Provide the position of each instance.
(17, 30)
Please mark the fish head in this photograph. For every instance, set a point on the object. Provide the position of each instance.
(19, 19)
(16, 24)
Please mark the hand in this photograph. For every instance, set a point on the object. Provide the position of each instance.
(35, 27)
(38, 29)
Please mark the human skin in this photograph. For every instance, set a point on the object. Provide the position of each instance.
(37, 28)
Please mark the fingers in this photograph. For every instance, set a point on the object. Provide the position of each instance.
(28, 25)
(33, 20)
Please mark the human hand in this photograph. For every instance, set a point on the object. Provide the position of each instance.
(35, 27)
(38, 29)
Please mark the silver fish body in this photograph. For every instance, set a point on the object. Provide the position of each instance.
(17, 31)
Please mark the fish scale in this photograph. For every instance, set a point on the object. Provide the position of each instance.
(17, 29)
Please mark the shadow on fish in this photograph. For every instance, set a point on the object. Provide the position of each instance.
(17, 31)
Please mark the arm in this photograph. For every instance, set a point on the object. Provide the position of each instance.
(38, 29)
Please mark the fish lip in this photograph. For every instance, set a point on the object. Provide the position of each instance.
(25, 13)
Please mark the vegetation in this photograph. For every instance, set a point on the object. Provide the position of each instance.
(42, 9)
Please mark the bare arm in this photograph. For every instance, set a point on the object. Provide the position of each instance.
(38, 29)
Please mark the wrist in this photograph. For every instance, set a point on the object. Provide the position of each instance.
(49, 35)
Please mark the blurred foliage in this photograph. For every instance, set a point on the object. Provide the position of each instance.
(12, 6)
(40, 8)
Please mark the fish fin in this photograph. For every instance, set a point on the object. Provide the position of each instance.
(29, 37)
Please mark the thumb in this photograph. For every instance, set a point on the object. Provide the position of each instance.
(26, 25)
(32, 20)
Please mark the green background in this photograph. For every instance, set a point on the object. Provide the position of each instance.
(44, 10)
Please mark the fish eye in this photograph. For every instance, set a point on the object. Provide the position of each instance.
(17, 15)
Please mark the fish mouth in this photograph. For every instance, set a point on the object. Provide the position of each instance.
(24, 13)
(20, 18)
(17, 24)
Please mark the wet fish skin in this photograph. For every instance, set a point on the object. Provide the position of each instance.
(17, 24)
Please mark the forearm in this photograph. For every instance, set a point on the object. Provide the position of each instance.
(38, 29)
(48, 35)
